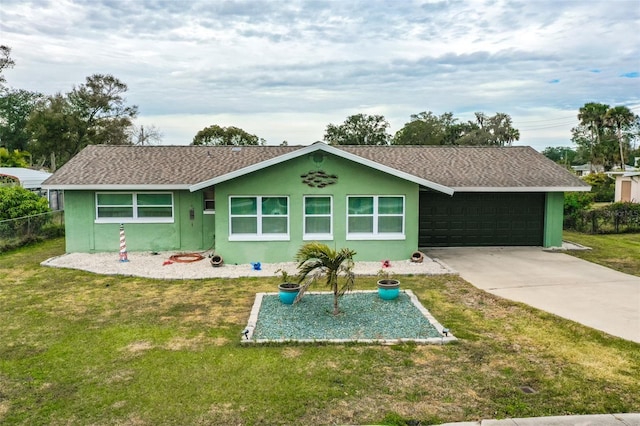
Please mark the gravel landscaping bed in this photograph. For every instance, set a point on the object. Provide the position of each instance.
(364, 318)
(155, 265)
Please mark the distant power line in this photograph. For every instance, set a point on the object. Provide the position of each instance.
(547, 126)
(549, 119)
(549, 123)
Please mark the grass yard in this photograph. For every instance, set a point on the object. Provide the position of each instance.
(78, 348)
(616, 251)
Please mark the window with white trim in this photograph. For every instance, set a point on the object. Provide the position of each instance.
(375, 217)
(258, 218)
(152, 207)
(209, 201)
(318, 220)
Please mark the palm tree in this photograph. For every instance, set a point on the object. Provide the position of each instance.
(317, 259)
(591, 115)
(620, 117)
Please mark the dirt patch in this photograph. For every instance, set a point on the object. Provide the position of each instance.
(194, 344)
(140, 346)
(120, 376)
(4, 408)
(118, 404)
(132, 420)
(222, 414)
(291, 352)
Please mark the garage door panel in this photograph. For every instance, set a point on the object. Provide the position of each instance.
(481, 219)
(457, 225)
(502, 226)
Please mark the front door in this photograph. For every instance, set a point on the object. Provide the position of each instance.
(625, 193)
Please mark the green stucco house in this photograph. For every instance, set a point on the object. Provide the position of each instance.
(261, 203)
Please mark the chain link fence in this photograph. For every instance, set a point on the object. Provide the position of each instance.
(23, 230)
(615, 218)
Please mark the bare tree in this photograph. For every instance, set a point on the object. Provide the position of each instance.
(140, 135)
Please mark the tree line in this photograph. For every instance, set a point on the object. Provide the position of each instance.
(424, 128)
(48, 130)
(605, 137)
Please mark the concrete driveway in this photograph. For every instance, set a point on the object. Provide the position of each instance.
(558, 283)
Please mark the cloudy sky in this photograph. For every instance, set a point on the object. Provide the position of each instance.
(283, 70)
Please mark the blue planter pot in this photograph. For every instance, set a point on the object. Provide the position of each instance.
(287, 292)
(388, 289)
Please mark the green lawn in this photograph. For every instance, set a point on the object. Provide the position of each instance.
(616, 251)
(78, 348)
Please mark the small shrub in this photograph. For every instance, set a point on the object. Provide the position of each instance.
(16, 201)
(603, 187)
(576, 205)
(394, 419)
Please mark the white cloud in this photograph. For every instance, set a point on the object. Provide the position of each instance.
(284, 70)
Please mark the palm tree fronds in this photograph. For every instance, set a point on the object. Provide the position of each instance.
(317, 259)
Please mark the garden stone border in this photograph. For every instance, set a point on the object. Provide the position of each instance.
(445, 334)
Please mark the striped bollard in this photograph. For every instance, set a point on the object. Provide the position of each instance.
(123, 245)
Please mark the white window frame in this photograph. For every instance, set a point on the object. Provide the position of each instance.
(135, 218)
(259, 236)
(205, 199)
(317, 236)
(375, 235)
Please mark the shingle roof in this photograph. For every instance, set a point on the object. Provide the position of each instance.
(473, 166)
(185, 166)
(158, 165)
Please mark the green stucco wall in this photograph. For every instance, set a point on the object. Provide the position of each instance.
(204, 230)
(553, 219)
(79, 213)
(84, 235)
(284, 179)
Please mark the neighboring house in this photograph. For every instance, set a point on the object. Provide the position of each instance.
(32, 180)
(260, 203)
(628, 187)
(586, 169)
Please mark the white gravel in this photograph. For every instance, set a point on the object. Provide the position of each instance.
(150, 265)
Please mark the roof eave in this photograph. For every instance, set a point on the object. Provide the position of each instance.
(319, 146)
(522, 188)
(116, 187)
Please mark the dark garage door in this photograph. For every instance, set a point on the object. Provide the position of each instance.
(481, 219)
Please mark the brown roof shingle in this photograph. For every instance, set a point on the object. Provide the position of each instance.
(158, 165)
(452, 166)
(472, 166)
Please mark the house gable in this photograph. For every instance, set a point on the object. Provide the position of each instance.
(290, 179)
(320, 148)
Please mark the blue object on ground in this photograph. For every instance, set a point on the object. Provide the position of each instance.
(388, 293)
(256, 266)
(287, 297)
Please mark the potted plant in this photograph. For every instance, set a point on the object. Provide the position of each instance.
(288, 289)
(317, 260)
(388, 288)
